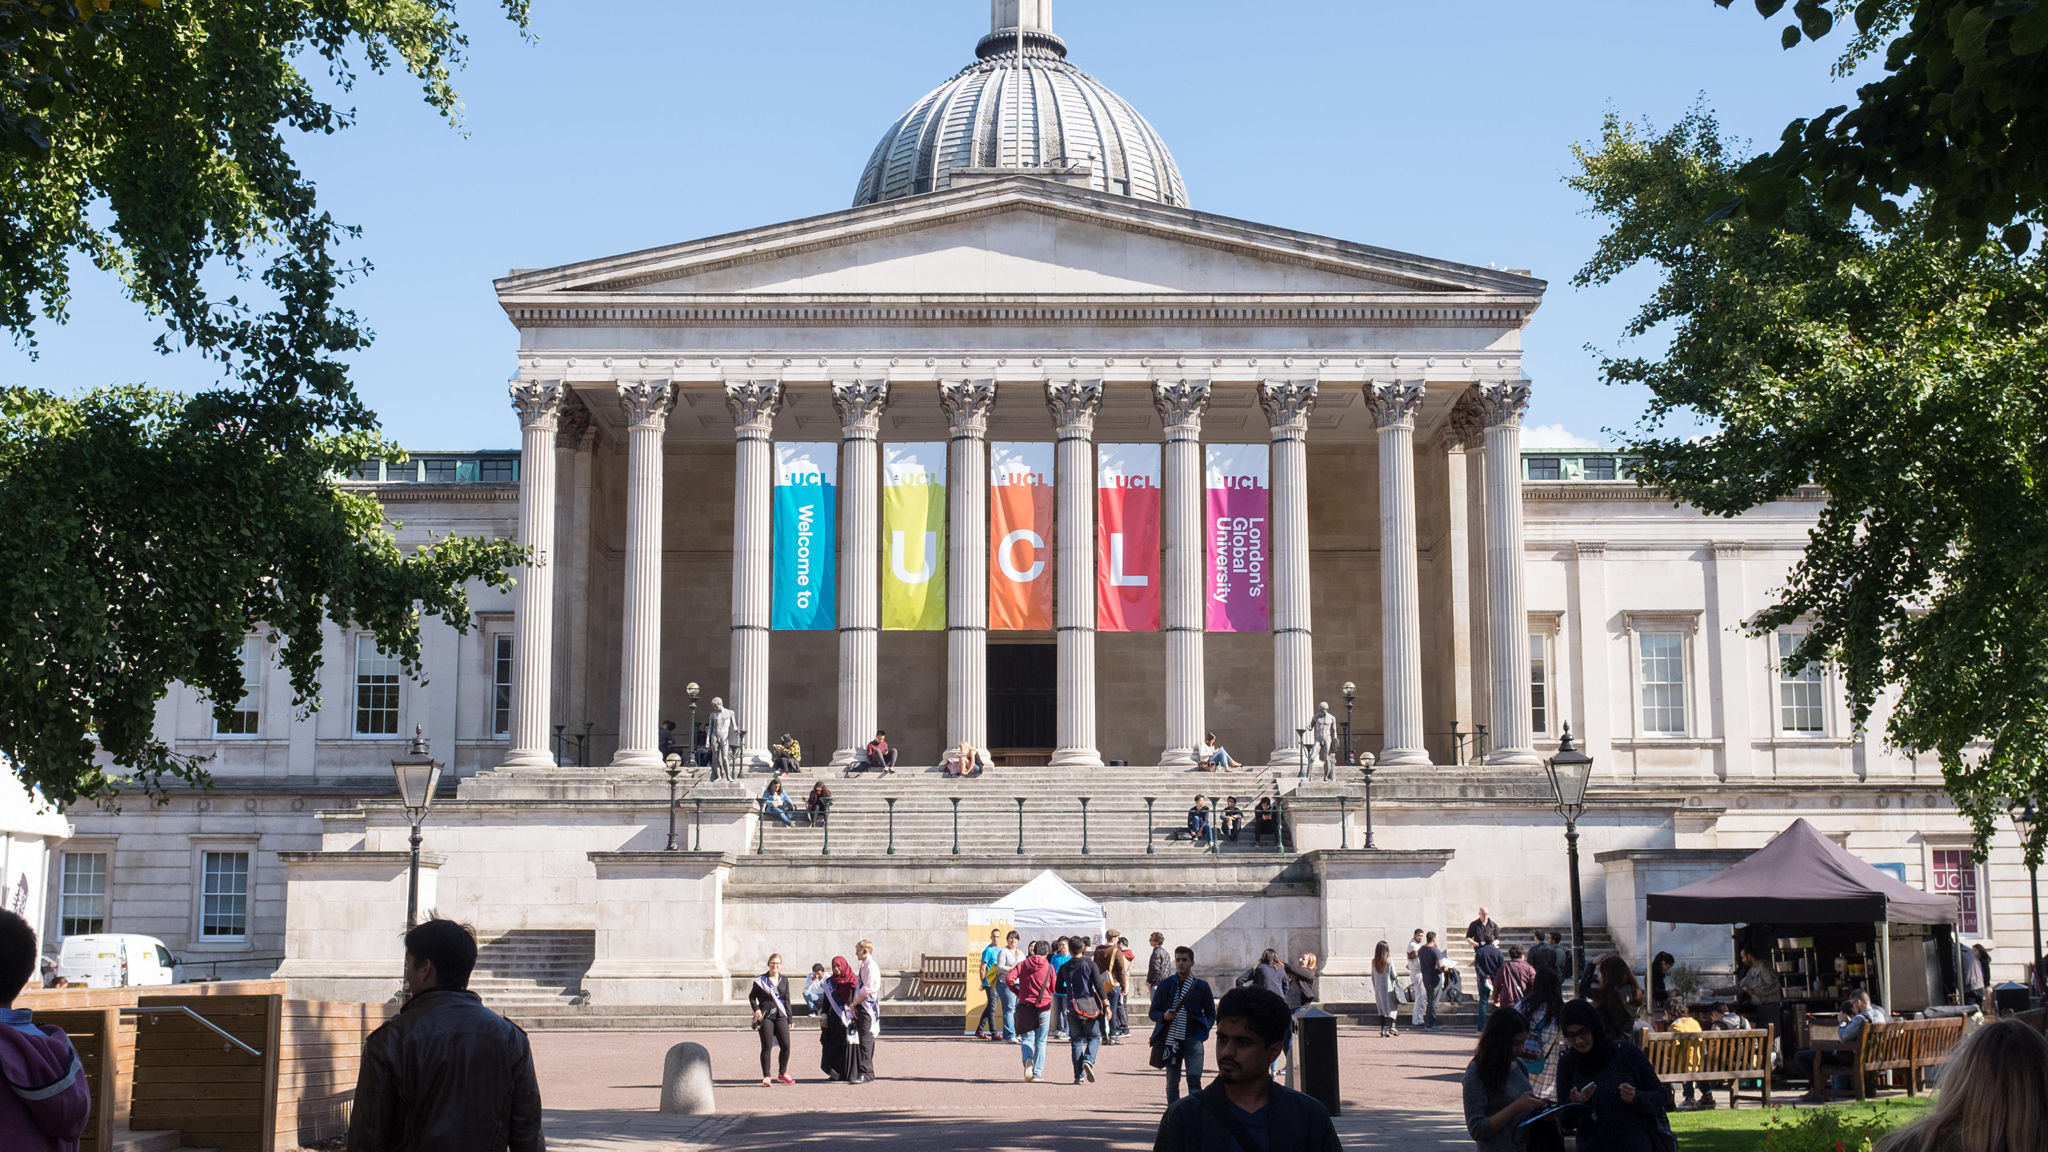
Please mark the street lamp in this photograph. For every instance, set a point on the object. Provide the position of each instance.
(1350, 702)
(1301, 747)
(2024, 822)
(691, 689)
(1570, 771)
(418, 776)
(1365, 768)
(674, 763)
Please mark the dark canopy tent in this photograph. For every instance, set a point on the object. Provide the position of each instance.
(1800, 877)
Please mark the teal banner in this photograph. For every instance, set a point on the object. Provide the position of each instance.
(805, 552)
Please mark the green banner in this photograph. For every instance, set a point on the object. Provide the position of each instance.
(914, 537)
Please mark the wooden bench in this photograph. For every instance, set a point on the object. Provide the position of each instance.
(1909, 1046)
(940, 978)
(1696, 1057)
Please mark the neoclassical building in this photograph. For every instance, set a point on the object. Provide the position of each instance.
(1023, 450)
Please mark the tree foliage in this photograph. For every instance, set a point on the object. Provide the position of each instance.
(149, 532)
(1958, 122)
(1905, 374)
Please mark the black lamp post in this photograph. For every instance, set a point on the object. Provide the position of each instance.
(2024, 821)
(1365, 769)
(1350, 702)
(1570, 771)
(674, 763)
(418, 776)
(1301, 750)
(692, 690)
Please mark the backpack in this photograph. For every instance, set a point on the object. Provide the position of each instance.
(1082, 998)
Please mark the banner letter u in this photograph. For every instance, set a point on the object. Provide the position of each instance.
(924, 569)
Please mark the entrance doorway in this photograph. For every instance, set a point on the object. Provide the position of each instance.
(1023, 697)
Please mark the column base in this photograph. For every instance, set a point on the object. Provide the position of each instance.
(1402, 758)
(845, 756)
(1076, 758)
(528, 758)
(1177, 758)
(636, 758)
(1515, 757)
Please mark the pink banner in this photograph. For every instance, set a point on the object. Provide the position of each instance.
(1237, 526)
(1127, 545)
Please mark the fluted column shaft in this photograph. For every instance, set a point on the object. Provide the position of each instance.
(860, 404)
(539, 404)
(1507, 622)
(646, 406)
(967, 404)
(1394, 406)
(1073, 404)
(1287, 404)
(752, 404)
(1181, 404)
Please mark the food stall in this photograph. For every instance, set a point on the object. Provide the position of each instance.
(1829, 923)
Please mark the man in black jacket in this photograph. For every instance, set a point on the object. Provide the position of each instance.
(448, 1074)
(1243, 1108)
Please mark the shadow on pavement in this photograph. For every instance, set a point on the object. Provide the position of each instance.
(902, 1131)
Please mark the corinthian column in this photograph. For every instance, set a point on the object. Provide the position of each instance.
(967, 404)
(1393, 407)
(539, 403)
(1073, 404)
(1288, 404)
(646, 405)
(1181, 404)
(1507, 623)
(860, 404)
(752, 404)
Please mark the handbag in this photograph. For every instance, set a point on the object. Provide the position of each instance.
(1160, 1059)
(1027, 1017)
(1082, 998)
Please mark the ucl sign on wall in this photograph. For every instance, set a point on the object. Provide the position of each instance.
(806, 538)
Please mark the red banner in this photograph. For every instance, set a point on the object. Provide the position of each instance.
(1127, 538)
(1020, 575)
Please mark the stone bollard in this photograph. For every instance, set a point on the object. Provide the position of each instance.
(686, 1081)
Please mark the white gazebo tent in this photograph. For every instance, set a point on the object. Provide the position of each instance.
(30, 830)
(1048, 907)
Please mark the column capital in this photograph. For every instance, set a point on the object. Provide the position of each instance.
(1073, 404)
(1181, 403)
(1394, 403)
(1466, 427)
(538, 402)
(1501, 402)
(1287, 403)
(967, 403)
(753, 404)
(575, 422)
(646, 403)
(860, 404)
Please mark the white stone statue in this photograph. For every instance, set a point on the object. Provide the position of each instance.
(1323, 731)
(718, 734)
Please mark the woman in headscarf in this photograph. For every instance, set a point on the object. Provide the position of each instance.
(1624, 1100)
(835, 1055)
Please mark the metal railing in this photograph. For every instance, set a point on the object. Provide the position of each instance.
(1090, 811)
(174, 1009)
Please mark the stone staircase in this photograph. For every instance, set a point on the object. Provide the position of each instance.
(924, 812)
(526, 969)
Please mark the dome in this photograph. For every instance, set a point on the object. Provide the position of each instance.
(1073, 127)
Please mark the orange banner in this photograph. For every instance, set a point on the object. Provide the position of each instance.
(1020, 562)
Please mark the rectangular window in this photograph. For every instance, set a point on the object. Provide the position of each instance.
(223, 895)
(1599, 467)
(1539, 685)
(1663, 682)
(1799, 693)
(248, 711)
(501, 684)
(1955, 874)
(367, 470)
(82, 894)
(376, 690)
(496, 469)
(1545, 468)
(439, 471)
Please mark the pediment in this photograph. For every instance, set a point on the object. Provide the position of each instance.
(1014, 236)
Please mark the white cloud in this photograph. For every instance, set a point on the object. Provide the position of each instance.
(1554, 438)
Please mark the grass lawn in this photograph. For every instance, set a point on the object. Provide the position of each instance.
(1742, 1129)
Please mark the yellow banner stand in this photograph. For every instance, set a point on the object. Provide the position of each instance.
(980, 922)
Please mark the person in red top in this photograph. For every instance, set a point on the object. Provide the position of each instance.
(880, 757)
(1031, 980)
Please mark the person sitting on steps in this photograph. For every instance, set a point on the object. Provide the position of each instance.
(1211, 756)
(966, 760)
(1265, 822)
(818, 805)
(775, 802)
(878, 758)
(789, 755)
(1233, 819)
(1200, 830)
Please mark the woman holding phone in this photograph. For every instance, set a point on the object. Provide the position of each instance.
(1624, 1101)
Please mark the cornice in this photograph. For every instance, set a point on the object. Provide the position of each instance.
(1630, 490)
(413, 492)
(1271, 310)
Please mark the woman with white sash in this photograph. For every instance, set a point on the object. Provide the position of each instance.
(769, 996)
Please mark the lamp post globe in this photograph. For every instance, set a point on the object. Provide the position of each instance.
(1570, 772)
(418, 775)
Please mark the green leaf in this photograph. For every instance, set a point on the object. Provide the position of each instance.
(1790, 39)
(1814, 17)
(2029, 33)
(2017, 237)
(1769, 7)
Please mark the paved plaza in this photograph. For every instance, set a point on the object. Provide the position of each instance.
(949, 1092)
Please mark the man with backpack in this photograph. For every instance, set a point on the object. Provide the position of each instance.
(1081, 982)
(1183, 1011)
(1429, 960)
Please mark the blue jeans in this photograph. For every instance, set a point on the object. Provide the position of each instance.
(1086, 1047)
(1485, 997)
(1035, 1043)
(1190, 1058)
(1200, 830)
(780, 813)
(1059, 1012)
(1008, 996)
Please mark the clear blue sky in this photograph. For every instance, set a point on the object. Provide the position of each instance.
(1437, 128)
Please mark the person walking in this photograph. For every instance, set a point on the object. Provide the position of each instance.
(1119, 973)
(1183, 1010)
(1496, 1085)
(1543, 1007)
(1429, 960)
(1487, 962)
(1619, 997)
(45, 1100)
(1269, 973)
(868, 1007)
(1030, 984)
(837, 1049)
(1082, 982)
(446, 1072)
(1415, 998)
(1160, 965)
(991, 1021)
(1007, 959)
(1062, 951)
(1625, 1101)
(1385, 992)
(768, 995)
(1541, 955)
(1513, 982)
(1243, 1108)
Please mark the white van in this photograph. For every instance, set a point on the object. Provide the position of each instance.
(116, 960)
